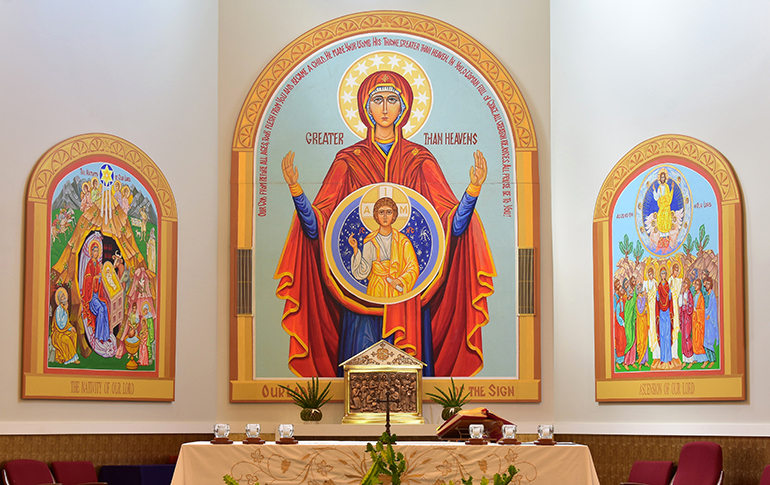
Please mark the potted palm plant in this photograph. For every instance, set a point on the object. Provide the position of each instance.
(309, 399)
(452, 401)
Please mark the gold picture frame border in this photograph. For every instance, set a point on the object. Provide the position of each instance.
(36, 384)
(728, 387)
(245, 388)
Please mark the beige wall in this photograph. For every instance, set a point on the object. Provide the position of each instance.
(598, 76)
(147, 72)
(623, 72)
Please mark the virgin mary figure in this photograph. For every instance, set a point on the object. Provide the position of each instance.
(442, 326)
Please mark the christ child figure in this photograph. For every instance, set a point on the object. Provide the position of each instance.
(387, 258)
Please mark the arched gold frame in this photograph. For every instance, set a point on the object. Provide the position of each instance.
(243, 387)
(731, 385)
(36, 383)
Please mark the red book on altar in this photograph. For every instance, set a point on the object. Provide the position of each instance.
(456, 427)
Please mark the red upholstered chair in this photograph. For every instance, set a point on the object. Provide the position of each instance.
(700, 463)
(765, 480)
(650, 473)
(74, 472)
(27, 472)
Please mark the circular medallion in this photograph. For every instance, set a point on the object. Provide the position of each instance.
(379, 259)
(663, 210)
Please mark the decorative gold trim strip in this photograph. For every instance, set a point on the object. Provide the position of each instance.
(440, 32)
(482, 390)
(74, 149)
(681, 146)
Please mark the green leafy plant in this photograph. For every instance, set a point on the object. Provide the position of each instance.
(689, 245)
(385, 461)
(310, 398)
(626, 246)
(497, 479)
(453, 399)
(703, 238)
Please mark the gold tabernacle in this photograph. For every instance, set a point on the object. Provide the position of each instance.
(379, 379)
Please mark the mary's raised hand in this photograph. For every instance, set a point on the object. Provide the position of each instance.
(290, 172)
(478, 171)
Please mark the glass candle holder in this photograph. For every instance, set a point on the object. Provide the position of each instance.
(509, 431)
(286, 430)
(221, 430)
(545, 431)
(252, 430)
(476, 431)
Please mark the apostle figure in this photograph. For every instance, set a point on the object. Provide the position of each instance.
(698, 322)
(675, 285)
(630, 324)
(642, 326)
(620, 298)
(686, 309)
(663, 311)
(711, 333)
(651, 290)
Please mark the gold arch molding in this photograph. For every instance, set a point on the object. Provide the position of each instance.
(429, 28)
(688, 148)
(244, 387)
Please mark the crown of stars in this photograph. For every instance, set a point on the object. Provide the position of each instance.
(412, 72)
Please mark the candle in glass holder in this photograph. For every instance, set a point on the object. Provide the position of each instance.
(221, 430)
(545, 431)
(476, 431)
(509, 431)
(252, 430)
(286, 430)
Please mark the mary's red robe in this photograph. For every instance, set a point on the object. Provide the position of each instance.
(456, 299)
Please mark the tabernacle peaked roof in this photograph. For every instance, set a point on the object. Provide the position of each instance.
(382, 353)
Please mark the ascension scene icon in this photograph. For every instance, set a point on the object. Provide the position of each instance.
(666, 281)
(103, 271)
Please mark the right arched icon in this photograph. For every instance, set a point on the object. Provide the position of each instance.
(668, 243)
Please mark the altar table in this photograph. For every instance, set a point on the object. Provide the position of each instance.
(346, 462)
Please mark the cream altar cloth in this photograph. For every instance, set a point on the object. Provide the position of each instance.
(346, 462)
